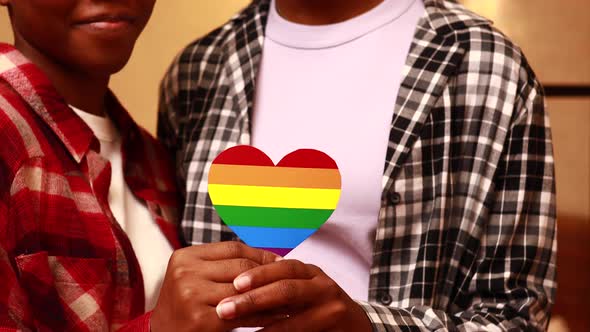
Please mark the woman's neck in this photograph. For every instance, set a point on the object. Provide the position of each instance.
(322, 12)
(83, 91)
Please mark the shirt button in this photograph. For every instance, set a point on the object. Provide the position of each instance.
(395, 198)
(385, 298)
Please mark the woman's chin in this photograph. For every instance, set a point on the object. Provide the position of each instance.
(102, 63)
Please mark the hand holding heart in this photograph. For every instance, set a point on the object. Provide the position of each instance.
(310, 299)
(276, 208)
(197, 279)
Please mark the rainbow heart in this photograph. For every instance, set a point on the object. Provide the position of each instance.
(274, 207)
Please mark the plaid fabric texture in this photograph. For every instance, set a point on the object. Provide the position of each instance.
(466, 232)
(65, 264)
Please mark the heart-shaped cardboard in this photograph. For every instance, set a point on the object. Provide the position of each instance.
(274, 207)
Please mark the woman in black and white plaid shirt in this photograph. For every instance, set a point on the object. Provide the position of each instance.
(464, 237)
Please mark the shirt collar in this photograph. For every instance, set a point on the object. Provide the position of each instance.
(39, 93)
(437, 18)
(147, 173)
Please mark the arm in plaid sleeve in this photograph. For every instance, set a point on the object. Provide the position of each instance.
(17, 300)
(167, 130)
(14, 311)
(513, 281)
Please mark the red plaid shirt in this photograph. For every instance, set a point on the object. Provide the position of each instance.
(65, 264)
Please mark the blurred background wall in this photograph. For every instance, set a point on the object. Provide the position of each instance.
(555, 36)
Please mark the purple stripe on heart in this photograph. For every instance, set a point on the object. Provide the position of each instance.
(279, 251)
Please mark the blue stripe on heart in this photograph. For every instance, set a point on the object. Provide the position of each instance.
(261, 237)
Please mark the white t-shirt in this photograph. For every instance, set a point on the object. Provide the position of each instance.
(333, 88)
(151, 247)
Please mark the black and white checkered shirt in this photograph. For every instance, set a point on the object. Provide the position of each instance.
(466, 232)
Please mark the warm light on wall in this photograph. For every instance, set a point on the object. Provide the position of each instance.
(487, 8)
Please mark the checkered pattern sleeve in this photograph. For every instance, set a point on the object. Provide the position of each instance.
(11, 296)
(513, 285)
(167, 130)
(187, 94)
(183, 91)
(29, 276)
(16, 313)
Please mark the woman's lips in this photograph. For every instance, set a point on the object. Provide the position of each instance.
(107, 23)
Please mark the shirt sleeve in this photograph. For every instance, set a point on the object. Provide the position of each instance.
(15, 313)
(169, 109)
(140, 324)
(29, 298)
(514, 282)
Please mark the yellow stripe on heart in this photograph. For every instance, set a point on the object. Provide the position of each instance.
(274, 197)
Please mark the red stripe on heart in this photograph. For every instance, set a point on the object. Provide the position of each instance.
(307, 158)
(243, 155)
(250, 156)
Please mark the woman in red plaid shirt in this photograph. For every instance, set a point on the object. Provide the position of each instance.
(87, 198)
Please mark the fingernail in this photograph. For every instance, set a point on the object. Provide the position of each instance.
(226, 310)
(242, 283)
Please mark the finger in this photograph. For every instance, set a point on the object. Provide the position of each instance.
(311, 320)
(214, 323)
(258, 320)
(267, 274)
(223, 271)
(230, 250)
(283, 293)
(210, 293)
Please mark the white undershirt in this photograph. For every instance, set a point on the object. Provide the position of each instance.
(333, 88)
(151, 247)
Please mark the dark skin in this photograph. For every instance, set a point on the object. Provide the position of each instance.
(310, 298)
(198, 278)
(314, 12)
